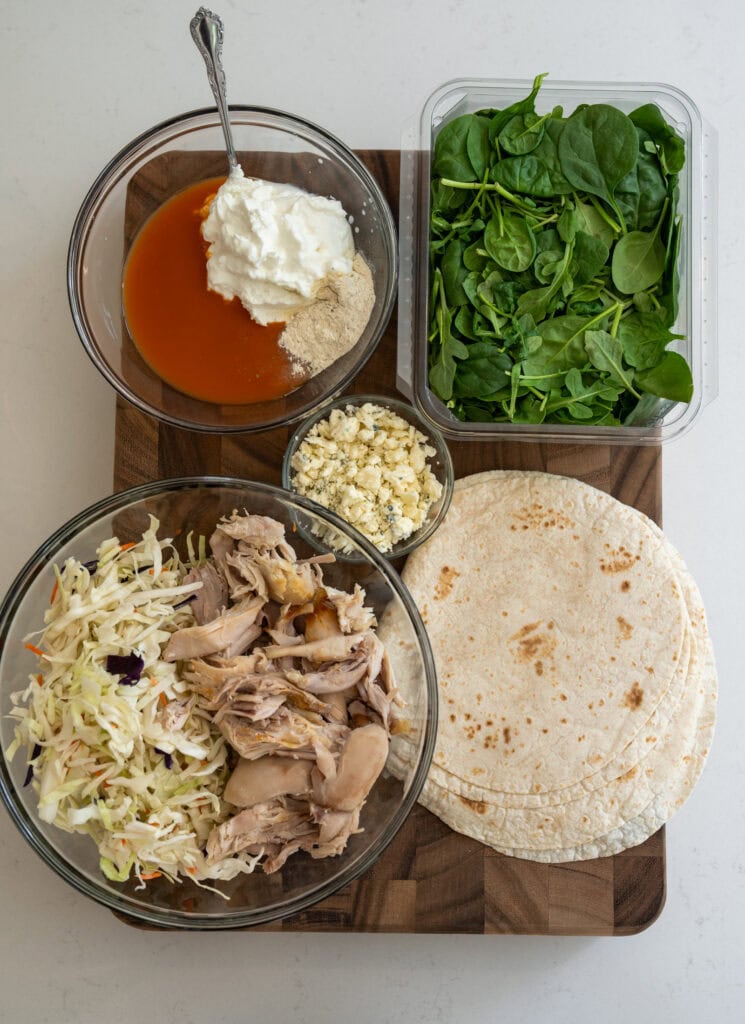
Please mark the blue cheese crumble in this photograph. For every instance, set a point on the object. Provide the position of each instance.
(369, 465)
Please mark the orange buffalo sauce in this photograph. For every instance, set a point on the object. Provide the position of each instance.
(194, 339)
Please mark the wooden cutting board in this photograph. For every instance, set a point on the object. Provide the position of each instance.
(431, 879)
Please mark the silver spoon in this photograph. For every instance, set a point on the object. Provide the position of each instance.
(207, 33)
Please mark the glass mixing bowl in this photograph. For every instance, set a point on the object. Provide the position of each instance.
(196, 504)
(163, 161)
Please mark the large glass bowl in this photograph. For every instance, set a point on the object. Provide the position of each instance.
(196, 504)
(163, 161)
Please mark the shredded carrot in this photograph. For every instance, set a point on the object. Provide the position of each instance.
(189, 904)
(153, 681)
(40, 679)
(123, 842)
(54, 591)
(192, 871)
(163, 699)
(126, 547)
(106, 784)
(34, 650)
(150, 875)
(152, 573)
(156, 823)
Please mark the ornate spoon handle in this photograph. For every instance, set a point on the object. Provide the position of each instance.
(207, 33)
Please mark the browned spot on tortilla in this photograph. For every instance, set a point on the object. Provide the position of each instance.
(618, 559)
(634, 697)
(625, 586)
(650, 670)
(467, 716)
(544, 730)
(536, 516)
(651, 739)
(452, 718)
(533, 645)
(470, 638)
(489, 721)
(504, 615)
(479, 698)
(476, 805)
(539, 668)
(506, 734)
(529, 721)
(562, 696)
(591, 705)
(551, 624)
(624, 628)
(580, 738)
(563, 721)
(630, 773)
(478, 771)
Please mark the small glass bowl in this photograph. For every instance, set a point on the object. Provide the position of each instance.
(440, 463)
(196, 503)
(162, 162)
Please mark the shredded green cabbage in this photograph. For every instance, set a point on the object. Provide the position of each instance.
(104, 745)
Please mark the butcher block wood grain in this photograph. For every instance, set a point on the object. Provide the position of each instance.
(432, 879)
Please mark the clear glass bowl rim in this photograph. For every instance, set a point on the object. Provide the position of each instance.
(182, 919)
(404, 409)
(82, 223)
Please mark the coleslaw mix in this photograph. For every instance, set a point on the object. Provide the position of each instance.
(117, 748)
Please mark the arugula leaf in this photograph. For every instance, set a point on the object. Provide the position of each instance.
(606, 353)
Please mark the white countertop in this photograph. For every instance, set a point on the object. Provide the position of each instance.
(79, 80)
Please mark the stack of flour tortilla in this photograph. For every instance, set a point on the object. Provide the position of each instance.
(576, 675)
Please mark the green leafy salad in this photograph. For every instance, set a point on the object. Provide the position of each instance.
(554, 282)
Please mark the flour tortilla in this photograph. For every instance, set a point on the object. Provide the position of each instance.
(660, 767)
(556, 616)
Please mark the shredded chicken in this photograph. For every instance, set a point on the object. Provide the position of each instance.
(212, 598)
(299, 685)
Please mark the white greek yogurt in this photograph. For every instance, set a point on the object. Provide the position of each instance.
(274, 246)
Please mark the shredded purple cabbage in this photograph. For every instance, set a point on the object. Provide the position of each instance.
(91, 566)
(128, 666)
(166, 756)
(191, 597)
(30, 773)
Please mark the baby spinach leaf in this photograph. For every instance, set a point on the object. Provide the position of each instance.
(672, 148)
(475, 257)
(451, 158)
(641, 194)
(522, 133)
(597, 149)
(644, 337)
(562, 347)
(484, 370)
(589, 220)
(547, 264)
(589, 257)
(567, 224)
(478, 148)
(510, 243)
(454, 273)
(671, 378)
(499, 118)
(638, 261)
